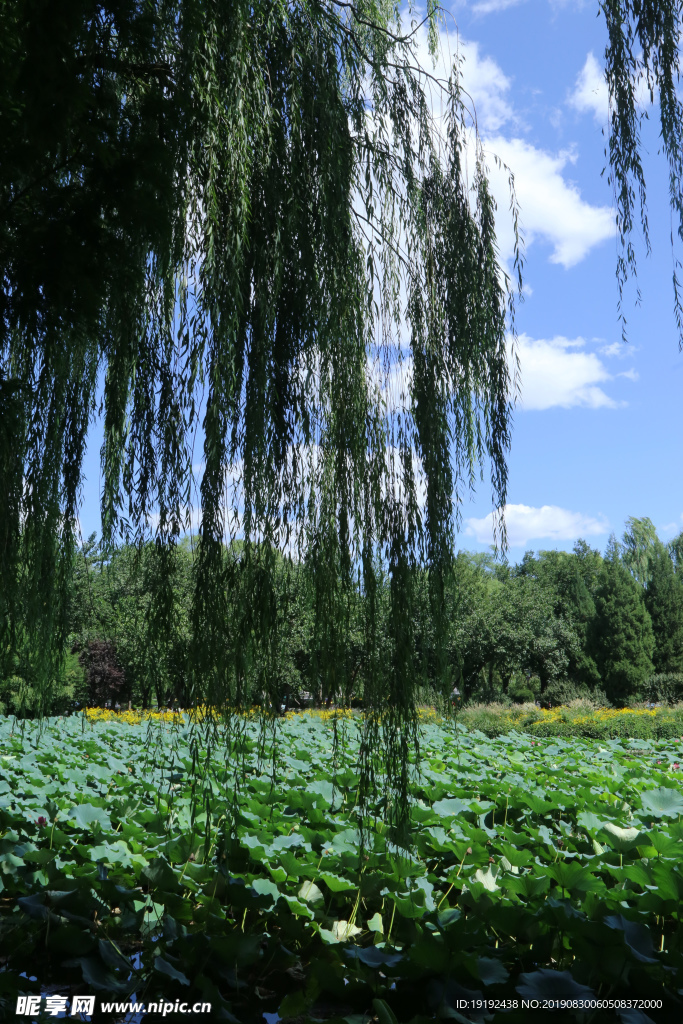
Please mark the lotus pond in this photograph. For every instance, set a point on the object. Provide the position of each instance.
(547, 870)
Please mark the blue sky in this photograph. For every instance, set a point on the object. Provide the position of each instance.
(595, 435)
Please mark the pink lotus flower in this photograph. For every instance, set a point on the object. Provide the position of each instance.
(42, 821)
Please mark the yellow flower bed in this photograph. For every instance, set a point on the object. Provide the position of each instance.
(492, 719)
(131, 717)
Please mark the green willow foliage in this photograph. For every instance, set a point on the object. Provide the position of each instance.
(642, 53)
(261, 220)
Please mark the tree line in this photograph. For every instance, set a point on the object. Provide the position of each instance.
(555, 626)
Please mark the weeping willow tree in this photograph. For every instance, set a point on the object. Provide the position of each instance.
(258, 239)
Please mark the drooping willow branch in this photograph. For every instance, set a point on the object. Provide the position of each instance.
(257, 234)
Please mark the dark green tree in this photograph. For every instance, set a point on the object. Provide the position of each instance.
(622, 640)
(664, 602)
(563, 576)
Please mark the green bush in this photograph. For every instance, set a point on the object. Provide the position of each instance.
(564, 691)
(665, 688)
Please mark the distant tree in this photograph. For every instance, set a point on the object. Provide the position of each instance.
(563, 577)
(105, 679)
(675, 548)
(639, 541)
(664, 601)
(622, 639)
(589, 564)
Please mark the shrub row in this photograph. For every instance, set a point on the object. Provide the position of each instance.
(579, 718)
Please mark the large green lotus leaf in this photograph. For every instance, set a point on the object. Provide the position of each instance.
(323, 792)
(161, 875)
(529, 886)
(294, 867)
(436, 837)
(622, 839)
(346, 841)
(310, 893)
(516, 857)
(112, 957)
(637, 873)
(336, 883)
(487, 878)
(383, 1012)
(297, 907)
(662, 802)
(42, 856)
(452, 807)
(590, 821)
(256, 845)
(668, 879)
(661, 843)
(448, 917)
(410, 905)
(97, 976)
(636, 937)
(287, 842)
(491, 972)
(373, 956)
(516, 838)
(548, 984)
(164, 966)
(540, 804)
(88, 816)
(99, 772)
(265, 888)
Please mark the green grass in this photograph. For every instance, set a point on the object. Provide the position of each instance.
(538, 866)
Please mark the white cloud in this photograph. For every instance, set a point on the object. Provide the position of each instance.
(489, 86)
(630, 375)
(558, 372)
(482, 79)
(614, 350)
(671, 530)
(525, 523)
(590, 92)
(491, 6)
(551, 207)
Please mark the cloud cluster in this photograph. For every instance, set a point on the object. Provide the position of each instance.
(590, 92)
(525, 523)
(492, 6)
(560, 373)
(488, 86)
(552, 209)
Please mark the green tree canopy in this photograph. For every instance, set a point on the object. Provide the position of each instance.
(638, 546)
(664, 601)
(623, 642)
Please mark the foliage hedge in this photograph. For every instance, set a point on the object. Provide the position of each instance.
(579, 718)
